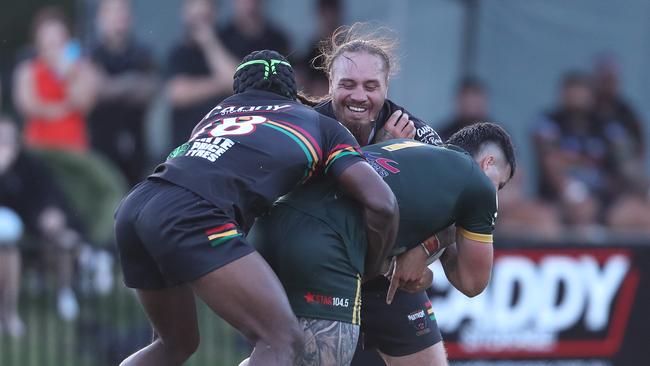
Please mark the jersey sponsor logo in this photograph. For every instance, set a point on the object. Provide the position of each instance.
(428, 135)
(342, 302)
(416, 315)
(210, 148)
(383, 166)
(222, 111)
(418, 320)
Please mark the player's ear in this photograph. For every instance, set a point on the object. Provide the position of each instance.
(487, 161)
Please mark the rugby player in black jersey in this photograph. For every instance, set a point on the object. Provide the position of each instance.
(180, 233)
(359, 62)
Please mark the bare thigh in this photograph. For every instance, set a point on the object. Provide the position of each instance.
(172, 312)
(328, 342)
(248, 295)
(431, 356)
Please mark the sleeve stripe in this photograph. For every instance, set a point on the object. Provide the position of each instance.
(342, 148)
(344, 153)
(483, 238)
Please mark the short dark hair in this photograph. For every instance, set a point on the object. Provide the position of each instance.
(473, 137)
(265, 70)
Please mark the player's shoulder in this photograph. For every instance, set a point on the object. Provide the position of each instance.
(479, 185)
(325, 108)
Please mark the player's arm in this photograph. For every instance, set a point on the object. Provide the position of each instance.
(468, 263)
(380, 210)
(345, 162)
(409, 270)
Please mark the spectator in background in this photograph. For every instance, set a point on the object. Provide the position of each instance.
(471, 107)
(571, 153)
(54, 90)
(27, 190)
(618, 117)
(526, 218)
(313, 79)
(620, 124)
(623, 131)
(200, 69)
(11, 230)
(128, 84)
(249, 30)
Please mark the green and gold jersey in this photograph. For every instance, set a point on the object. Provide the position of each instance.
(435, 187)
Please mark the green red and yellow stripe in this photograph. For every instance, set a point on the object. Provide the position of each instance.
(221, 234)
(339, 151)
(430, 312)
(304, 140)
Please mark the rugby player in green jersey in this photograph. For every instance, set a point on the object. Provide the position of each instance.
(315, 241)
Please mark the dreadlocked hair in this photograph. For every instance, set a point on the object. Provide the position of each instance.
(265, 70)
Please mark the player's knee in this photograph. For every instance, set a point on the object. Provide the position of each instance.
(291, 337)
(298, 339)
(181, 348)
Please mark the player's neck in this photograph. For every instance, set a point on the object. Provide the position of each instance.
(361, 132)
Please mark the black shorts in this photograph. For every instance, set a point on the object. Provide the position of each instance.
(167, 235)
(406, 326)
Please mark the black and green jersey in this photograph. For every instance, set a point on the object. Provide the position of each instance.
(435, 187)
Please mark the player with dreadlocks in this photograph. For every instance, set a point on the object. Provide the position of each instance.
(180, 233)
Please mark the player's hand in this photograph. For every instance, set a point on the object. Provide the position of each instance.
(425, 281)
(397, 126)
(408, 268)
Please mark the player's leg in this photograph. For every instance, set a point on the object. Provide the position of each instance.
(187, 240)
(171, 310)
(328, 342)
(247, 294)
(431, 356)
(315, 267)
(172, 313)
(405, 332)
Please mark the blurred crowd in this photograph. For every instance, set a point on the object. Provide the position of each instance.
(81, 111)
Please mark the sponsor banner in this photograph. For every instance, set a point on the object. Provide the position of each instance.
(569, 305)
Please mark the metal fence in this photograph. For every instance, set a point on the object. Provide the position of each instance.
(109, 326)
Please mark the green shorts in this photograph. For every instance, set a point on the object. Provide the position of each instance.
(313, 263)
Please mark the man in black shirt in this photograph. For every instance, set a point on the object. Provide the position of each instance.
(359, 62)
(471, 107)
(249, 30)
(181, 232)
(117, 121)
(199, 69)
